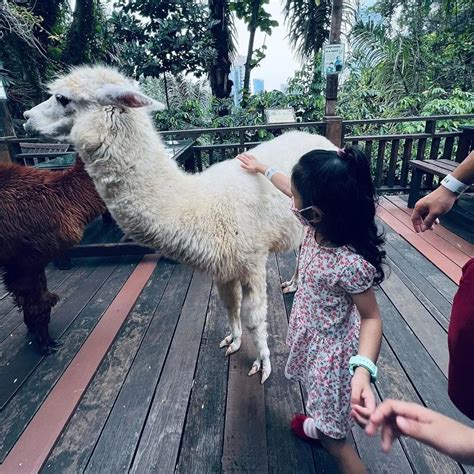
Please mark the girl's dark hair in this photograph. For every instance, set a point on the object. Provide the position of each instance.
(340, 185)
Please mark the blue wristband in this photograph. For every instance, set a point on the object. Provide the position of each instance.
(361, 361)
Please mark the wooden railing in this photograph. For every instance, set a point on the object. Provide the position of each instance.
(388, 150)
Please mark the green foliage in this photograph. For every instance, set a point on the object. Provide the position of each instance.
(160, 37)
(263, 20)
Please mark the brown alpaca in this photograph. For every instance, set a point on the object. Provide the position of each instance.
(42, 214)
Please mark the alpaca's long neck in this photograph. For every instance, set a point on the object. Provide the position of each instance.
(146, 192)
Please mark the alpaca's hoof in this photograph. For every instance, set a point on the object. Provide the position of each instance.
(54, 343)
(289, 286)
(264, 367)
(47, 350)
(232, 344)
(227, 341)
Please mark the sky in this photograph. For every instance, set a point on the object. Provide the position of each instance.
(279, 63)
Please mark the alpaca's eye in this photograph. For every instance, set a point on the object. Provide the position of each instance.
(62, 100)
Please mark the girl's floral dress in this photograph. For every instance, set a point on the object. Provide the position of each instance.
(324, 329)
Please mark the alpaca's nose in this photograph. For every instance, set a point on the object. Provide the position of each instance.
(26, 114)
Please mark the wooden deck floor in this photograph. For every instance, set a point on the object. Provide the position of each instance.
(140, 383)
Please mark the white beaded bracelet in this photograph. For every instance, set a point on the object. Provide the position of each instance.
(454, 185)
(270, 172)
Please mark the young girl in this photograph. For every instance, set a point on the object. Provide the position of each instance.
(335, 329)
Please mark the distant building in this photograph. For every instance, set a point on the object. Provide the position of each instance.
(237, 73)
(258, 86)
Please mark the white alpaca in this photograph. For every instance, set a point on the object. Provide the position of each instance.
(222, 221)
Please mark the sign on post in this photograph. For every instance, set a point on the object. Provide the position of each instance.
(280, 115)
(333, 59)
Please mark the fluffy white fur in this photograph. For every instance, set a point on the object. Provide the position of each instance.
(222, 221)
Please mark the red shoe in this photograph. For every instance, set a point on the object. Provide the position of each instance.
(297, 428)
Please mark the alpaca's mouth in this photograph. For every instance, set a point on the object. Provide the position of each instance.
(59, 135)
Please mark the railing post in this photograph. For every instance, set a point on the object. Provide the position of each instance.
(465, 141)
(333, 129)
(430, 127)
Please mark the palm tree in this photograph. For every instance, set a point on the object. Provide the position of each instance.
(395, 62)
(308, 24)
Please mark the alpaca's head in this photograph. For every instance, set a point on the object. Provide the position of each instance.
(81, 89)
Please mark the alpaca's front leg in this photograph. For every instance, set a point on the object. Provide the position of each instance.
(254, 317)
(231, 295)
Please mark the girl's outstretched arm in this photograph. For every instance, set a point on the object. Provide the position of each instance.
(279, 180)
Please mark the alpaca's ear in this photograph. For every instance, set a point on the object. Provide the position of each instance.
(121, 96)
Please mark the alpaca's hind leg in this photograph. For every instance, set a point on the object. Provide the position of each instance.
(231, 295)
(254, 317)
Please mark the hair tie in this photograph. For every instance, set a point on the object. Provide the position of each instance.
(342, 153)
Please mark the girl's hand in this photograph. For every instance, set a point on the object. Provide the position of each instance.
(249, 163)
(362, 398)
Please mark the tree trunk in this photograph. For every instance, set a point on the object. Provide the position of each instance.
(334, 38)
(81, 33)
(221, 85)
(248, 64)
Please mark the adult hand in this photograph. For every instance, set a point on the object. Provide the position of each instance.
(409, 419)
(429, 208)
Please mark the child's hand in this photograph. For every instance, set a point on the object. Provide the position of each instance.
(249, 163)
(409, 419)
(362, 397)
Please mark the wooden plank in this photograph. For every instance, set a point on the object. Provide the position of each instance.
(441, 245)
(31, 395)
(448, 148)
(429, 168)
(438, 279)
(245, 413)
(380, 163)
(203, 438)
(159, 444)
(39, 437)
(447, 165)
(443, 263)
(407, 151)
(428, 331)
(458, 242)
(283, 398)
(122, 431)
(393, 163)
(368, 150)
(23, 358)
(76, 444)
(420, 152)
(429, 297)
(395, 384)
